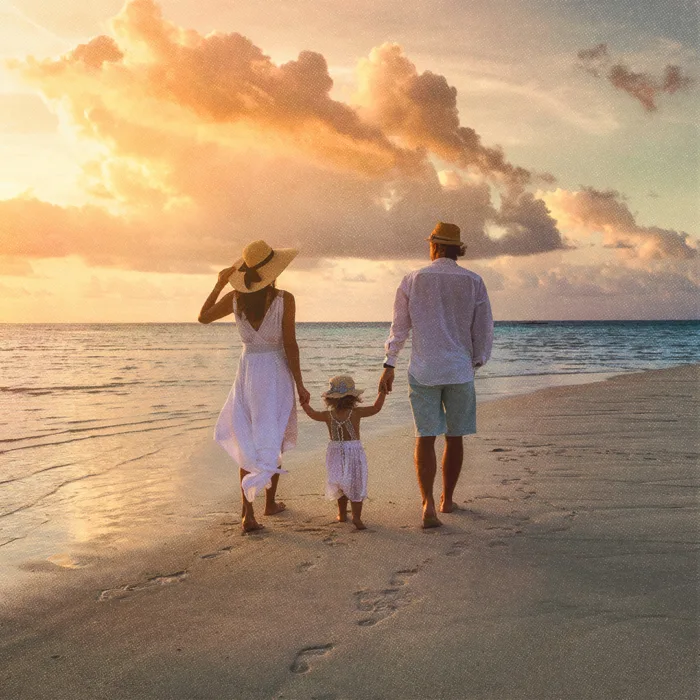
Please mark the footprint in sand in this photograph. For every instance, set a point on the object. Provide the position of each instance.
(400, 578)
(332, 541)
(154, 581)
(385, 602)
(457, 548)
(301, 661)
(305, 566)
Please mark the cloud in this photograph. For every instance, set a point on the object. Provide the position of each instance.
(607, 213)
(421, 109)
(15, 267)
(645, 88)
(205, 142)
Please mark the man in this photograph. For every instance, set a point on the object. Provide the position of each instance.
(447, 309)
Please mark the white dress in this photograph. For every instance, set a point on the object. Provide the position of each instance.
(346, 463)
(259, 421)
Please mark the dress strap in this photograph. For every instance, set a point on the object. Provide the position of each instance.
(338, 425)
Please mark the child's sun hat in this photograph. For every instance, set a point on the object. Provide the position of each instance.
(340, 386)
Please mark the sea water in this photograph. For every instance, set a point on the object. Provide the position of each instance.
(101, 425)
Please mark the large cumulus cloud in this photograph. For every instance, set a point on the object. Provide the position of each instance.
(204, 142)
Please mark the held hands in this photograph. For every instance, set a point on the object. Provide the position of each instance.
(304, 395)
(386, 381)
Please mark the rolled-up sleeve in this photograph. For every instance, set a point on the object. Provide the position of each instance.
(400, 325)
(482, 328)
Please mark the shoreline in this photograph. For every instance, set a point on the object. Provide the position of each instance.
(569, 573)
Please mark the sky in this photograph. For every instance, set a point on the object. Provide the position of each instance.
(144, 143)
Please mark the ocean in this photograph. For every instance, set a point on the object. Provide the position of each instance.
(101, 425)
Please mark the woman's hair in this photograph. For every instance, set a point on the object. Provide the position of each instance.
(252, 305)
(342, 403)
(449, 251)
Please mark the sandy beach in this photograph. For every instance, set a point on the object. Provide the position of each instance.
(570, 571)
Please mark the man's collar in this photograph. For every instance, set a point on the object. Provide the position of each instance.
(444, 261)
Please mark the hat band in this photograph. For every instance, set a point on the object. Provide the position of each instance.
(251, 273)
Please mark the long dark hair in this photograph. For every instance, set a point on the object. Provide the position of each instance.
(343, 403)
(253, 304)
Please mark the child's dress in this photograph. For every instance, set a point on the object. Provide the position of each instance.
(346, 463)
(259, 421)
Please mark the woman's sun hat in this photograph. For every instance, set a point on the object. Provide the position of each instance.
(446, 234)
(259, 266)
(340, 386)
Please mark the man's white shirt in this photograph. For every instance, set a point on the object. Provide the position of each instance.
(447, 311)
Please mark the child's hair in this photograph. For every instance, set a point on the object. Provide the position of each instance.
(342, 403)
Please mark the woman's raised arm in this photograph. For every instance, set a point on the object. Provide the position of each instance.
(212, 309)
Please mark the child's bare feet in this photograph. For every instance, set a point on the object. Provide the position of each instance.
(356, 507)
(275, 507)
(342, 517)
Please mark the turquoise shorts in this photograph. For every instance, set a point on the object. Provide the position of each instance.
(446, 409)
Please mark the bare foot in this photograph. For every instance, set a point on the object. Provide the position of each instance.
(251, 526)
(430, 521)
(342, 517)
(359, 524)
(275, 508)
(446, 506)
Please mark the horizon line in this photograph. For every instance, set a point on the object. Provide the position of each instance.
(193, 323)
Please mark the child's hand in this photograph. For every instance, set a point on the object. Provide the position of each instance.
(304, 396)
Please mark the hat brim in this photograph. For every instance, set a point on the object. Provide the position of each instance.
(337, 395)
(268, 272)
(444, 241)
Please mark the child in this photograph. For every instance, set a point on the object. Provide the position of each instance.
(346, 463)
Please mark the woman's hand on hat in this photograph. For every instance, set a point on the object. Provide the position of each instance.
(224, 275)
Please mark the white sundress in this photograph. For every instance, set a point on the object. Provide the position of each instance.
(346, 463)
(259, 420)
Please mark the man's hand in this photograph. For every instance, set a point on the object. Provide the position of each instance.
(386, 381)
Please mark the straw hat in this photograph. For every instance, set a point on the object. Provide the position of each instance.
(259, 266)
(447, 234)
(340, 386)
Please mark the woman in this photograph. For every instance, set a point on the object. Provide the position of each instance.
(258, 421)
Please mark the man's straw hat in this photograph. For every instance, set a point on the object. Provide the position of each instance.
(446, 234)
(340, 386)
(259, 266)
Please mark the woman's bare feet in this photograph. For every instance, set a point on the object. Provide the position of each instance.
(248, 526)
(274, 508)
(359, 524)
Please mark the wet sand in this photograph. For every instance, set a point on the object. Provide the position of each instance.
(571, 571)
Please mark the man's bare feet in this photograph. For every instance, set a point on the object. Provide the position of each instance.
(446, 506)
(430, 521)
(359, 524)
(275, 508)
(251, 526)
